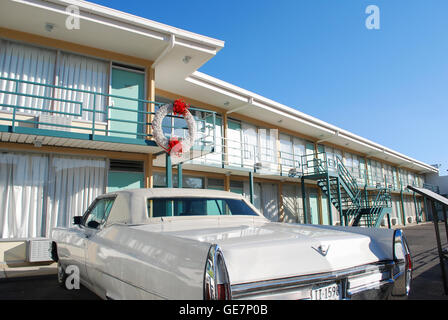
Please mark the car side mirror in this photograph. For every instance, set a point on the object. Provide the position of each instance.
(93, 224)
(77, 221)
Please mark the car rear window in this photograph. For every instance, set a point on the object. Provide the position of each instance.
(167, 207)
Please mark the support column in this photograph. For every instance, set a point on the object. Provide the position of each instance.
(148, 171)
(416, 209)
(179, 176)
(169, 183)
(341, 216)
(168, 171)
(251, 186)
(305, 217)
(366, 197)
(281, 208)
(330, 213)
(151, 87)
(403, 214)
(227, 182)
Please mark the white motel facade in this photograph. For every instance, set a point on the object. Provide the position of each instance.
(76, 106)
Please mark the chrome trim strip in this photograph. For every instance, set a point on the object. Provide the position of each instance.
(245, 290)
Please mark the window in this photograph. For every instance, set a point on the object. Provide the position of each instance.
(80, 76)
(40, 192)
(163, 207)
(98, 213)
(26, 63)
(187, 181)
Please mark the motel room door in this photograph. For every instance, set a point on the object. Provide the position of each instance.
(313, 205)
(124, 115)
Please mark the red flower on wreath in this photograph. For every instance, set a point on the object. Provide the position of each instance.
(180, 107)
(172, 145)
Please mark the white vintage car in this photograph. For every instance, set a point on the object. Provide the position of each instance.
(204, 244)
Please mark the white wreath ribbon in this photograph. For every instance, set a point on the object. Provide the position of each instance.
(184, 144)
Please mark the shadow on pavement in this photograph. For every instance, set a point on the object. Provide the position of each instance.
(40, 288)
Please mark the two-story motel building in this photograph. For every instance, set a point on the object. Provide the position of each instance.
(75, 122)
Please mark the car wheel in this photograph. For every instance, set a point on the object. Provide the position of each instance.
(62, 276)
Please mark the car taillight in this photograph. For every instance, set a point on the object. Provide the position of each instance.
(223, 291)
(409, 262)
(216, 278)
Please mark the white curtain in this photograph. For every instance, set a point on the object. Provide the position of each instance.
(269, 194)
(249, 145)
(74, 183)
(234, 143)
(82, 73)
(27, 63)
(214, 158)
(286, 153)
(292, 203)
(38, 192)
(22, 182)
(265, 198)
(299, 151)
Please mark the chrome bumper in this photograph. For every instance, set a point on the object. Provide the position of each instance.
(376, 281)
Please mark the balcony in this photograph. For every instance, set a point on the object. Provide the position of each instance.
(61, 116)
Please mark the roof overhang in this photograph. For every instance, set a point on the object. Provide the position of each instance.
(176, 55)
(115, 31)
(205, 88)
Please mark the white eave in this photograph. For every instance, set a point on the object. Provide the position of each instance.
(167, 46)
(253, 105)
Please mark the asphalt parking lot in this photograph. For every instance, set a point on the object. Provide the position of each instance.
(427, 277)
(426, 285)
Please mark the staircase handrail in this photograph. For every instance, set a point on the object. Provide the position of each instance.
(347, 177)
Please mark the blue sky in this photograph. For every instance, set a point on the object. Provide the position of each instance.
(388, 85)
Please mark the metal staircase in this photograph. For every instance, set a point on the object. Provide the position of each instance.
(336, 182)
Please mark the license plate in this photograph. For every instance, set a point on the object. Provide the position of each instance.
(326, 292)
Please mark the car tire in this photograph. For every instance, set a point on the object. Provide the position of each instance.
(62, 276)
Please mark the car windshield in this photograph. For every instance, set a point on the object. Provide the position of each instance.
(166, 207)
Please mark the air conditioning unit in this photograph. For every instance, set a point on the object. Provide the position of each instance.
(60, 123)
(393, 221)
(39, 250)
(292, 172)
(410, 219)
(258, 166)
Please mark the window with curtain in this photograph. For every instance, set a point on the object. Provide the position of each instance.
(40, 192)
(72, 186)
(23, 178)
(190, 182)
(265, 198)
(286, 153)
(84, 74)
(27, 63)
(234, 143)
(299, 149)
(249, 146)
(268, 146)
(292, 203)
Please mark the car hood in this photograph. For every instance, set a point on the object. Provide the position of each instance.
(255, 249)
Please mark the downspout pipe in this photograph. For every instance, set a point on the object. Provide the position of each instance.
(170, 47)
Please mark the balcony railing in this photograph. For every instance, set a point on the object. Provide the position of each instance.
(44, 109)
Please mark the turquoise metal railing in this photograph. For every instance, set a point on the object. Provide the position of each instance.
(97, 112)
